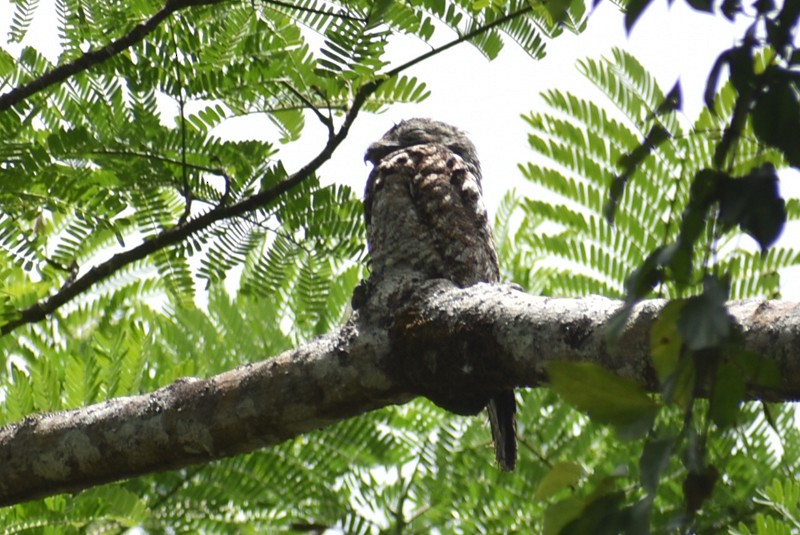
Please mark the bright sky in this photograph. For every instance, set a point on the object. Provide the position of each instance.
(487, 98)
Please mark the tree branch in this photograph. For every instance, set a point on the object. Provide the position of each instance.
(466, 37)
(95, 57)
(40, 310)
(452, 345)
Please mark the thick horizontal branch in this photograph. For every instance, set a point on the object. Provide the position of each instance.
(453, 345)
(193, 421)
(524, 332)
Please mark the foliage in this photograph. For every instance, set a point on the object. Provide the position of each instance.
(666, 227)
(119, 197)
(584, 143)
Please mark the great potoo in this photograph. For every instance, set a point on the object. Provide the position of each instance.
(425, 214)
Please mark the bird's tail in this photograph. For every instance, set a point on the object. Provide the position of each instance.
(502, 408)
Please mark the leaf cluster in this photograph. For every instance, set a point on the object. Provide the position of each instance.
(642, 206)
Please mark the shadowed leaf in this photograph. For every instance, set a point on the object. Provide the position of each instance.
(606, 397)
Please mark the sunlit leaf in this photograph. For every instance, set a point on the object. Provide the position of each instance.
(665, 340)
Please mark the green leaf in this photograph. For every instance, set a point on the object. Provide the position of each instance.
(602, 516)
(776, 113)
(633, 11)
(665, 340)
(560, 514)
(605, 397)
(753, 202)
(562, 475)
(672, 102)
(727, 394)
(558, 10)
(653, 461)
(679, 387)
(705, 6)
(704, 321)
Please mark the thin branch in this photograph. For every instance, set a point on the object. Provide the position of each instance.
(279, 234)
(95, 57)
(327, 121)
(217, 171)
(538, 454)
(466, 37)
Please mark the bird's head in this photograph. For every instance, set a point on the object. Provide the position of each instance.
(420, 131)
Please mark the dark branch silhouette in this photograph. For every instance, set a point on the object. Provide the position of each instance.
(95, 57)
(40, 310)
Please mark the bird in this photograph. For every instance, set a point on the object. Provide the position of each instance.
(424, 214)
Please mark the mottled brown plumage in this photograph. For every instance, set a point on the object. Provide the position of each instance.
(425, 215)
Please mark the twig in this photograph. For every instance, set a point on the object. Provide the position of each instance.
(324, 120)
(218, 171)
(466, 37)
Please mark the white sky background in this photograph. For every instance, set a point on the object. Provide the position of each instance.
(487, 98)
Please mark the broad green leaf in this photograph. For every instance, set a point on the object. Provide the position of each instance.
(727, 394)
(776, 114)
(754, 203)
(605, 397)
(560, 476)
(604, 515)
(560, 514)
(704, 321)
(679, 387)
(654, 460)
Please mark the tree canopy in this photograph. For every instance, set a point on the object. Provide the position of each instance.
(120, 205)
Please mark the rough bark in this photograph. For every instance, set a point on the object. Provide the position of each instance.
(437, 340)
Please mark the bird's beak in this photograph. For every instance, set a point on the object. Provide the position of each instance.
(377, 151)
(372, 154)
